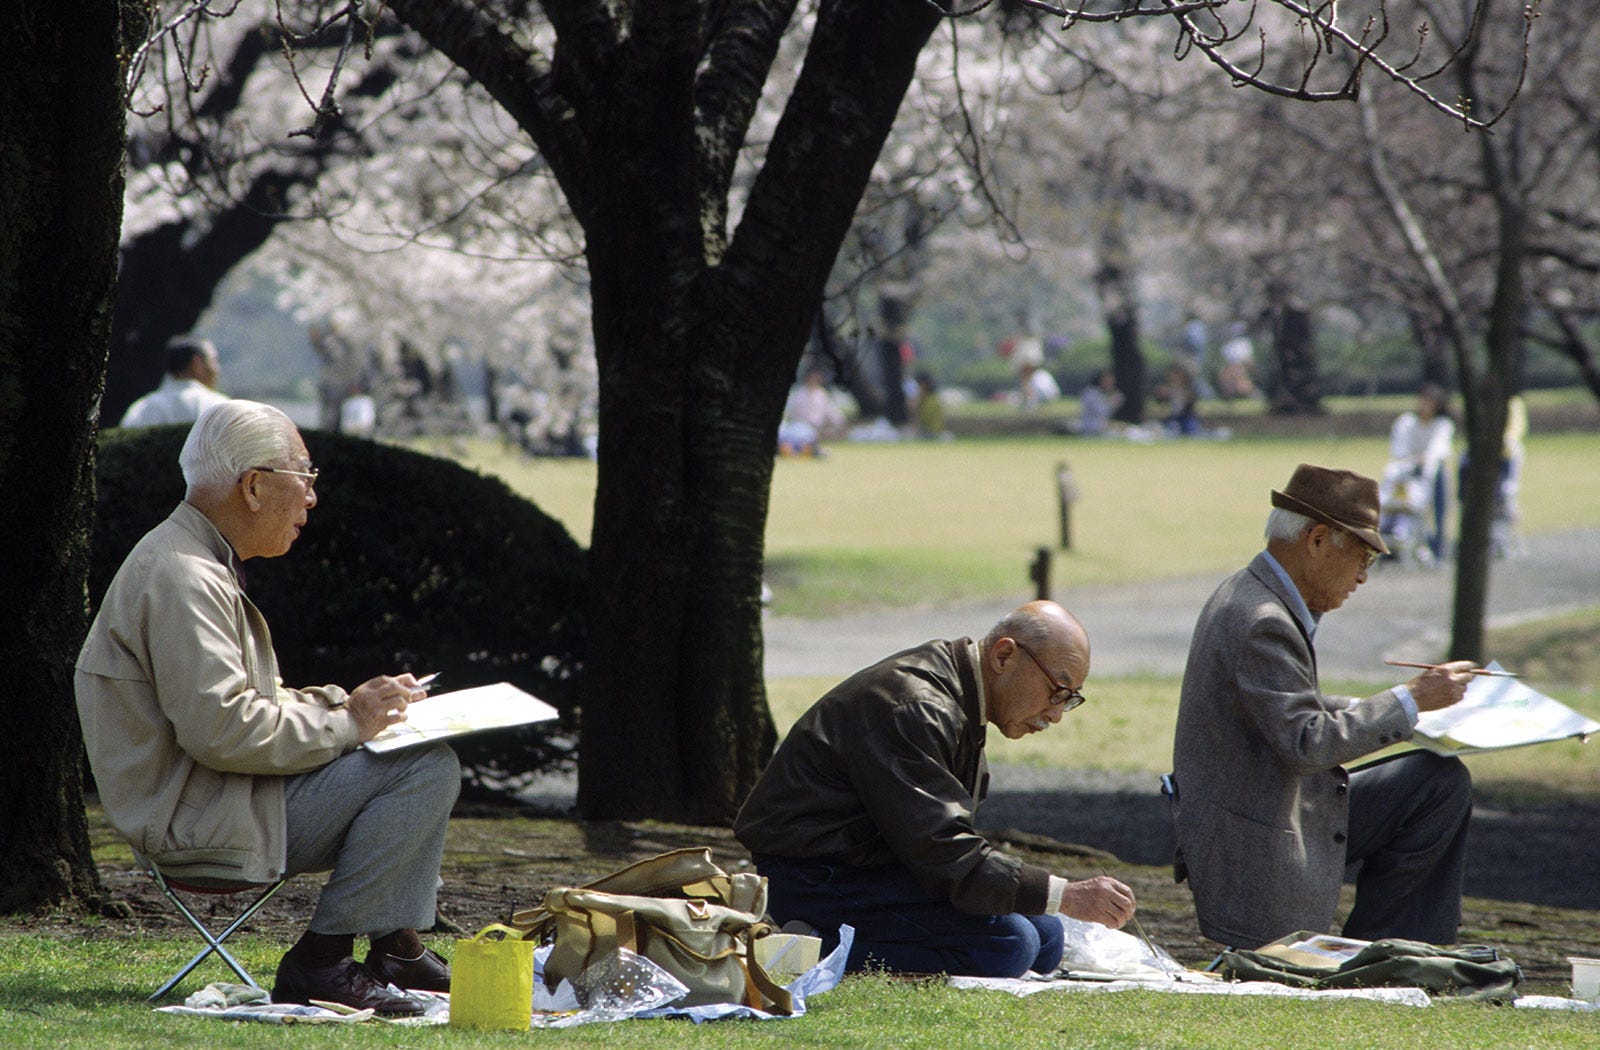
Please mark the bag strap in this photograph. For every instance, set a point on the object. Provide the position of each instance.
(757, 981)
(605, 932)
(507, 932)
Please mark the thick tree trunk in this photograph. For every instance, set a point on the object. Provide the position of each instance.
(61, 198)
(695, 358)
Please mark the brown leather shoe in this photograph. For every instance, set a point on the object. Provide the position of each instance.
(429, 973)
(345, 981)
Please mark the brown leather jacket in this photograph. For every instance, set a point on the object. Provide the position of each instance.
(889, 767)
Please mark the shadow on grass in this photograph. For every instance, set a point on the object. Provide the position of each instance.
(1542, 851)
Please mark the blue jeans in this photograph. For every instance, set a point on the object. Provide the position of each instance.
(900, 928)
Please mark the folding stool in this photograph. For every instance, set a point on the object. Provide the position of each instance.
(172, 887)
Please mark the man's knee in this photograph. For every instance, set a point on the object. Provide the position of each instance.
(433, 770)
(1450, 783)
(1012, 950)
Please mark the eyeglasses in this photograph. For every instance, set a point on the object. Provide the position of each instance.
(1369, 555)
(310, 475)
(1062, 695)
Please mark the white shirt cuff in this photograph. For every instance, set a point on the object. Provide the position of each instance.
(1052, 895)
(1407, 701)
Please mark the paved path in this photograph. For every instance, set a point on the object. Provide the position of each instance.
(1400, 613)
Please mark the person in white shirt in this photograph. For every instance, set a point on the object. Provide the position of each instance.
(187, 389)
(1038, 386)
(1415, 480)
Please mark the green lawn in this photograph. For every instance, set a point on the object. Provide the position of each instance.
(884, 525)
(90, 994)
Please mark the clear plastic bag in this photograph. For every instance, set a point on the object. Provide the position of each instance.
(1096, 949)
(620, 985)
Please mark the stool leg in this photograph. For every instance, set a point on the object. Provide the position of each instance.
(213, 942)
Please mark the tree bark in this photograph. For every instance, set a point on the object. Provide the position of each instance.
(61, 198)
(1484, 408)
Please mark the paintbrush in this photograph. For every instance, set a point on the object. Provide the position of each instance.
(1145, 937)
(1435, 667)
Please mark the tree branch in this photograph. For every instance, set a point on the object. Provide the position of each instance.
(518, 78)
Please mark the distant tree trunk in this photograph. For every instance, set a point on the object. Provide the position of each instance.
(1296, 386)
(61, 199)
(1119, 302)
(892, 311)
(848, 366)
(1434, 341)
(1484, 408)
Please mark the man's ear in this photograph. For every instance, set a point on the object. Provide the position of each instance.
(248, 490)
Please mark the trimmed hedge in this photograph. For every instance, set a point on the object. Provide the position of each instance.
(408, 563)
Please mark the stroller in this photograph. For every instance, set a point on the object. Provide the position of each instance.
(1413, 499)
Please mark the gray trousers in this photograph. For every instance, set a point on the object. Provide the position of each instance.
(377, 821)
(1408, 847)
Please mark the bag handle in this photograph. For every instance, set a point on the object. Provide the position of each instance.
(509, 933)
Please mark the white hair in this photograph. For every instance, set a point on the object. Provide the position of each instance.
(1290, 525)
(232, 436)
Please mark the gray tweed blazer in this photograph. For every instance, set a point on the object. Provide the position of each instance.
(1263, 800)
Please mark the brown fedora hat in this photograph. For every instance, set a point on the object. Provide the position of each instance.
(1341, 498)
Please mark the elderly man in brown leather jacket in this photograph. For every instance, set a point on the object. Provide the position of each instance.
(210, 767)
(865, 814)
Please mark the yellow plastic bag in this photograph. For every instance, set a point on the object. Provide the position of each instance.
(491, 981)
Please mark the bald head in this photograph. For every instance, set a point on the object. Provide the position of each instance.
(1030, 659)
(1042, 625)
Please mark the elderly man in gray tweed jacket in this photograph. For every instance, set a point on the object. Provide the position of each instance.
(1266, 816)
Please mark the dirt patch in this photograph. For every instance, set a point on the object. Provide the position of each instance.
(497, 860)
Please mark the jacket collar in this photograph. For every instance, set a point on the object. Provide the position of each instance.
(193, 521)
(974, 698)
(1267, 569)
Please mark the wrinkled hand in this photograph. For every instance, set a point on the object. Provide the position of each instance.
(380, 702)
(1101, 899)
(1442, 685)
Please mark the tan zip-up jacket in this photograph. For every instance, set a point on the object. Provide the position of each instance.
(189, 730)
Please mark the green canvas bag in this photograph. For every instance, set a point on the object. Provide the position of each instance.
(1468, 971)
(679, 910)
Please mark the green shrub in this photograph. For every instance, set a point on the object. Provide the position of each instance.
(408, 563)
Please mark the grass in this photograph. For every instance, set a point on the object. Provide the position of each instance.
(89, 994)
(905, 524)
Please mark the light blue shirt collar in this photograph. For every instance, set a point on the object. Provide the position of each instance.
(1297, 604)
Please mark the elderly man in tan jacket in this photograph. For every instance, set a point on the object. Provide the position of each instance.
(210, 767)
(1266, 816)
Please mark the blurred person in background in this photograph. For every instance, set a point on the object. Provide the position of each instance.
(188, 388)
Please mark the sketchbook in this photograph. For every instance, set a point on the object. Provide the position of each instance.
(1496, 713)
(446, 715)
